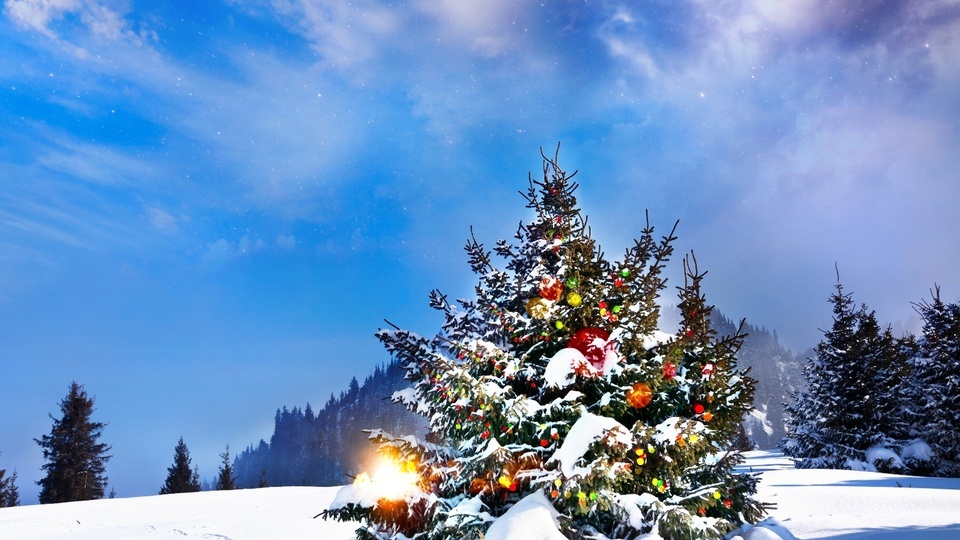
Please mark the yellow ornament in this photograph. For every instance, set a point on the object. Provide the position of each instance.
(537, 307)
(574, 299)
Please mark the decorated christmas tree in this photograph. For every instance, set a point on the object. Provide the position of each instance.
(554, 401)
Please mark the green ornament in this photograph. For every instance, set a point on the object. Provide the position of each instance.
(572, 282)
(625, 272)
(559, 325)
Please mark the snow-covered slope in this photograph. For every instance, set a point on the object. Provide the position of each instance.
(824, 503)
(810, 504)
(268, 513)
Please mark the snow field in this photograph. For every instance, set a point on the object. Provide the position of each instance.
(811, 503)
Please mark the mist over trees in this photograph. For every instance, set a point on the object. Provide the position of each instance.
(777, 370)
(324, 448)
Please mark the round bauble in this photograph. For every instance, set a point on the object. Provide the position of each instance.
(639, 395)
(590, 342)
(538, 308)
(551, 288)
(574, 299)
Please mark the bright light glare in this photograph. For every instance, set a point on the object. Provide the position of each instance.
(389, 480)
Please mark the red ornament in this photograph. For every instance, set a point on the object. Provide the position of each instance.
(728, 503)
(551, 288)
(591, 342)
(544, 442)
(639, 395)
(709, 370)
(698, 408)
(669, 371)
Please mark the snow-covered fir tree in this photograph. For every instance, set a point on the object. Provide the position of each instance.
(937, 389)
(853, 413)
(553, 390)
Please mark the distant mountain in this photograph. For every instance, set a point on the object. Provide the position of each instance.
(327, 447)
(779, 373)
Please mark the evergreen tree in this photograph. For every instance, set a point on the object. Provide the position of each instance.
(852, 414)
(554, 387)
(937, 393)
(741, 441)
(180, 477)
(75, 468)
(225, 477)
(9, 494)
(262, 481)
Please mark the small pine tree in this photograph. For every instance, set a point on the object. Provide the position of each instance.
(225, 477)
(936, 395)
(852, 414)
(9, 494)
(555, 387)
(262, 481)
(742, 442)
(75, 468)
(180, 477)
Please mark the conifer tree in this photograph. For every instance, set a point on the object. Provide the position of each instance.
(75, 468)
(225, 477)
(937, 391)
(852, 414)
(180, 477)
(9, 494)
(262, 480)
(554, 387)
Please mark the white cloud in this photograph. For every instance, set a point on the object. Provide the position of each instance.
(39, 14)
(286, 242)
(162, 220)
(45, 16)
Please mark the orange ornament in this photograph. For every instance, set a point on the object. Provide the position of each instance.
(550, 288)
(639, 395)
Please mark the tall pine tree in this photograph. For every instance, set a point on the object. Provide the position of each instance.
(180, 477)
(554, 387)
(853, 413)
(937, 390)
(75, 468)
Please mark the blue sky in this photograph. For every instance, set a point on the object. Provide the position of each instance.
(207, 211)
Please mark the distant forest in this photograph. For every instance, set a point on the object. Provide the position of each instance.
(322, 448)
(327, 447)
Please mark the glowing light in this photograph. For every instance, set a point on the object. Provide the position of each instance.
(389, 480)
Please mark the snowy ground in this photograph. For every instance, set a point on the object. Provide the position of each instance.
(810, 504)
